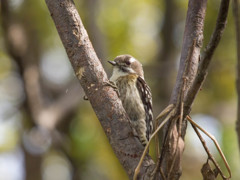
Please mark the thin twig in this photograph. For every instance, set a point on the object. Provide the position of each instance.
(180, 119)
(155, 171)
(195, 126)
(157, 167)
(169, 130)
(180, 103)
(157, 119)
(181, 106)
(164, 112)
(168, 110)
(217, 34)
(162, 174)
(157, 151)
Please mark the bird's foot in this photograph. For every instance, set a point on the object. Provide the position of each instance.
(85, 97)
(113, 85)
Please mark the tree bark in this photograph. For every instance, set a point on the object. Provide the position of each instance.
(191, 73)
(93, 78)
(193, 32)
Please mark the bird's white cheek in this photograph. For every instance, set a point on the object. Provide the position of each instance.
(130, 70)
(131, 60)
(116, 74)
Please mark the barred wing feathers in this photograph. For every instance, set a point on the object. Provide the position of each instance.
(146, 96)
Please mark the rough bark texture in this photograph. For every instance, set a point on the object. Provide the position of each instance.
(92, 77)
(237, 26)
(190, 56)
(171, 163)
(193, 31)
(208, 53)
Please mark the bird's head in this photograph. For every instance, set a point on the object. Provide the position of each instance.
(124, 65)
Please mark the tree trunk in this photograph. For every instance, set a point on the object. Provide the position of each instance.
(171, 163)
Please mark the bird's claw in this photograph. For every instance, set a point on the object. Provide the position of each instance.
(85, 97)
(108, 83)
(113, 85)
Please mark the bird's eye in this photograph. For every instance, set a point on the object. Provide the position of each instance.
(128, 63)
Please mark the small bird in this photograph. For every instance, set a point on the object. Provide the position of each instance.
(135, 94)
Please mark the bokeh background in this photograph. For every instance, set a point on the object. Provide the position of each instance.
(47, 130)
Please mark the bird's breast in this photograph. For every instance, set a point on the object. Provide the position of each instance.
(130, 97)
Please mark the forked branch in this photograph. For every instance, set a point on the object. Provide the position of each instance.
(93, 78)
(207, 56)
(196, 76)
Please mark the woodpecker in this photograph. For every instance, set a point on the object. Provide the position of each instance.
(135, 94)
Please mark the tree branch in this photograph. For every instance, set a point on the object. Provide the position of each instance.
(207, 56)
(93, 78)
(193, 32)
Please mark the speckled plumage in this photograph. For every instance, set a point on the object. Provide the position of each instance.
(134, 94)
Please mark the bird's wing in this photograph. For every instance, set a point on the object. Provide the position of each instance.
(146, 96)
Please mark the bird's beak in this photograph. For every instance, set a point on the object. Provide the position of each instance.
(112, 63)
